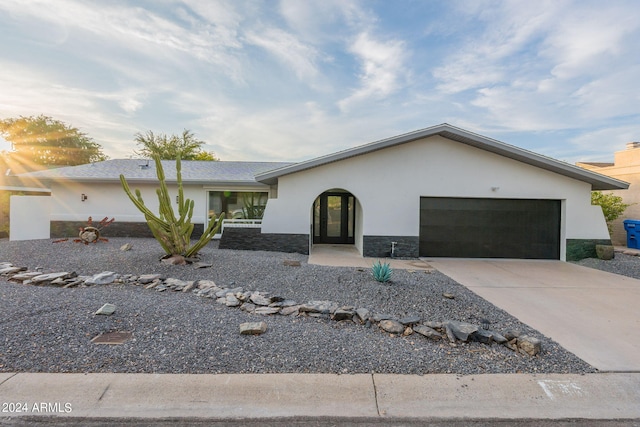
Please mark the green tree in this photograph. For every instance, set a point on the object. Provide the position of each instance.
(206, 156)
(187, 146)
(43, 140)
(612, 206)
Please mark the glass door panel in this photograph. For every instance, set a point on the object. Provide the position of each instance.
(334, 216)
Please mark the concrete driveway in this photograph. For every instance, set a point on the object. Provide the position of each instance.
(591, 313)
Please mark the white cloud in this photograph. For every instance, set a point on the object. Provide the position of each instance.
(93, 112)
(550, 66)
(300, 57)
(129, 101)
(600, 144)
(327, 20)
(585, 40)
(488, 56)
(119, 27)
(382, 60)
(20, 85)
(293, 132)
(222, 14)
(611, 95)
(383, 68)
(521, 109)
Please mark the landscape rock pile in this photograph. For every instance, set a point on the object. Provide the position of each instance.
(263, 303)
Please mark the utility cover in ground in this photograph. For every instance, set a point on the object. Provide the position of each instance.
(112, 338)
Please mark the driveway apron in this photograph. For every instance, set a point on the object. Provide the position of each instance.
(591, 313)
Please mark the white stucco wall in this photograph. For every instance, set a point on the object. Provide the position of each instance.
(109, 199)
(359, 235)
(388, 185)
(29, 217)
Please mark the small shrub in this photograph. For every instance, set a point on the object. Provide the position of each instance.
(381, 272)
(612, 206)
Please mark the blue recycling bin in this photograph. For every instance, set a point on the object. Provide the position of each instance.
(632, 227)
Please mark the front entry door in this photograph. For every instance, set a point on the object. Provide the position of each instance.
(334, 218)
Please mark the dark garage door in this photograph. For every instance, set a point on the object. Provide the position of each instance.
(489, 228)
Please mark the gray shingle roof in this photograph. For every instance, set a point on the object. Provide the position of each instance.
(194, 172)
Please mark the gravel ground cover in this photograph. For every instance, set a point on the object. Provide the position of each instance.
(626, 265)
(49, 329)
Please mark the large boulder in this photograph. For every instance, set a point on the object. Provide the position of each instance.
(605, 252)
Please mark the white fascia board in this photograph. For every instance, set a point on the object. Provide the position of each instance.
(27, 189)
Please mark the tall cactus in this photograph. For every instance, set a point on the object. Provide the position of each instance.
(173, 233)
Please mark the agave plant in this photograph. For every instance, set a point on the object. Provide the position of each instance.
(381, 272)
(171, 231)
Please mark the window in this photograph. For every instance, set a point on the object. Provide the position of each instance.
(237, 204)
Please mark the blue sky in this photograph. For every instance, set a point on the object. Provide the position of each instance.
(295, 79)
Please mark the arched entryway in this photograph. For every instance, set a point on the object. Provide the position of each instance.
(334, 217)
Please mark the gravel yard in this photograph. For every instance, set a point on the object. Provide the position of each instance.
(626, 265)
(49, 329)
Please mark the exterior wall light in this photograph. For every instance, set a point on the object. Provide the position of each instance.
(83, 197)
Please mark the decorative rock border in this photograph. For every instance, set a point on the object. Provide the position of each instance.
(262, 303)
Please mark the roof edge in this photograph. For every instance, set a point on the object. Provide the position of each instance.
(25, 189)
(597, 181)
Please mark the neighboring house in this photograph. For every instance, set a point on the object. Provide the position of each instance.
(626, 167)
(441, 191)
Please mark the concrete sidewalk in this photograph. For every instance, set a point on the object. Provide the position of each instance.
(317, 396)
(591, 313)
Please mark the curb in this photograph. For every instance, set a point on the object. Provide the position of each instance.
(610, 396)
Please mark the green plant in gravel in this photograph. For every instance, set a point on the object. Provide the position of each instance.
(171, 231)
(381, 272)
(612, 206)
